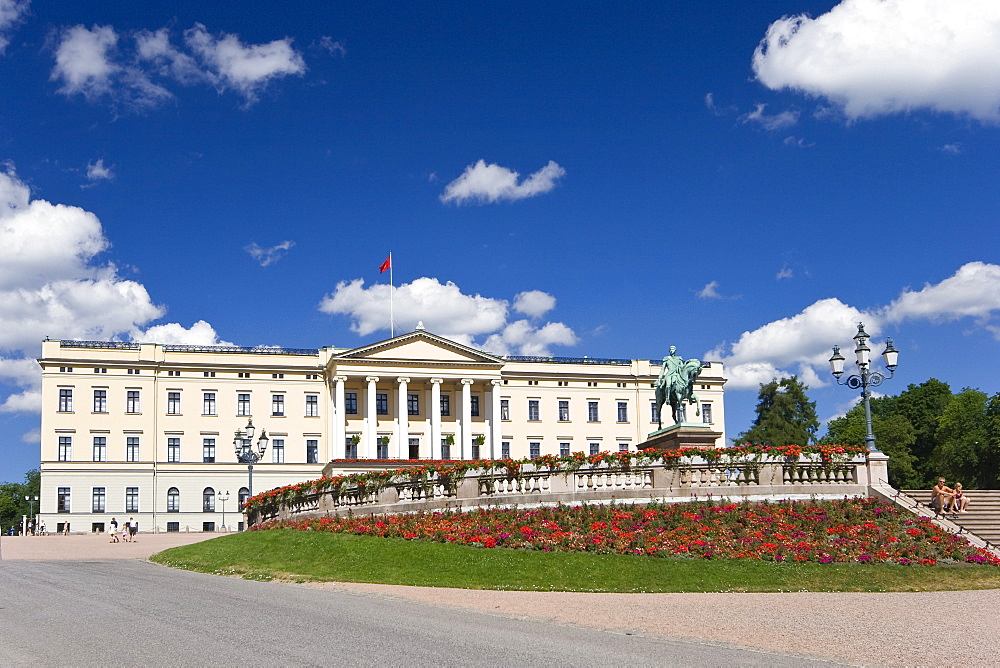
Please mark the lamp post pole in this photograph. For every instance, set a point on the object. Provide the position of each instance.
(223, 499)
(866, 378)
(31, 509)
(245, 451)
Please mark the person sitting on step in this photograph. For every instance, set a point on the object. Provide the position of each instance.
(960, 502)
(942, 497)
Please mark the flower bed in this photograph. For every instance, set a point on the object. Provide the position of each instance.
(863, 531)
(450, 471)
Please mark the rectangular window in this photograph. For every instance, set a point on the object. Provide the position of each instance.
(445, 405)
(533, 410)
(133, 371)
(534, 450)
(173, 403)
(654, 412)
(706, 413)
(131, 499)
(413, 404)
(100, 449)
(278, 451)
(623, 411)
(564, 449)
(414, 452)
(132, 448)
(592, 414)
(351, 403)
(173, 527)
(505, 409)
(312, 451)
(505, 449)
(208, 450)
(475, 451)
(209, 374)
(277, 405)
(173, 449)
(65, 448)
(62, 500)
(382, 404)
(97, 505)
(474, 405)
(623, 446)
(100, 401)
(312, 405)
(65, 400)
(445, 449)
(382, 448)
(208, 403)
(243, 404)
(132, 401)
(595, 448)
(350, 448)
(563, 410)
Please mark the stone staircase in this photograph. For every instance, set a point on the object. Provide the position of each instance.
(983, 518)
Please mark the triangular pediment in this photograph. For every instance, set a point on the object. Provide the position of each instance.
(419, 346)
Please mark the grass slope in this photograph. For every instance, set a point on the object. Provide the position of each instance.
(321, 556)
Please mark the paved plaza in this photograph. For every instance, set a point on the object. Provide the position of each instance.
(479, 627)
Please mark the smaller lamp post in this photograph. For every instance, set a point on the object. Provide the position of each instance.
(31, 506)
(245, 451)
(866, 377)
(222, 499)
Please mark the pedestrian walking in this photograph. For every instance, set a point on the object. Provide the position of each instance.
(113, 530)
(133, 529)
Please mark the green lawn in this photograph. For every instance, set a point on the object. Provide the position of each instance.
(318, 556)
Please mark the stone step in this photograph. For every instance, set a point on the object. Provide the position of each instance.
(983, 518)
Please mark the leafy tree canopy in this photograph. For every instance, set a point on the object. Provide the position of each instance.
(785, 416)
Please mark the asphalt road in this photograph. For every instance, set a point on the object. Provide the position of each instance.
(132, 612)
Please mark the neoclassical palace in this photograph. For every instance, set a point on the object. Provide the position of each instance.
(146, 430)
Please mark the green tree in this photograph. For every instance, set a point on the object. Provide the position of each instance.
(785, 416)
(894, 435)
(963, 451)
(923, 406)
(12, 503)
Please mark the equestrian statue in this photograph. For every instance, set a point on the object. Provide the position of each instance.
(675, 385)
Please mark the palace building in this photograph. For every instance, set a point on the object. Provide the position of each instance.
(146, 430)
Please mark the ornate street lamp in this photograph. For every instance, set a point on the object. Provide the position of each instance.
(866, 377)
(244, 447)
(223, 498)
(31, 511)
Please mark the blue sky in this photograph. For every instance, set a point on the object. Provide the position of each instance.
(744, 180)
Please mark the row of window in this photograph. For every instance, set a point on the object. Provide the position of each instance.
(100, 449)
(98, 503)
(208, 403)
(534, 449)
(593, 411)
(205, 374)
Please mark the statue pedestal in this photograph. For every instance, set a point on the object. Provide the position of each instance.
(683, 435)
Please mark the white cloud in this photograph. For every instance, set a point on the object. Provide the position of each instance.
(33, 436)
(873, 57)
(797, 142)
(99, 63)
(802, 343)
(328, 44)
(490, 183)
(952, 149)
(96, 171)
(199, 334)
(244, 68)
(974, 290)
(28, 401)
(11, 13)
(710, 291)
(446, 310)
(268, 256)
(785, 272)
(779, 121)
(534, 303)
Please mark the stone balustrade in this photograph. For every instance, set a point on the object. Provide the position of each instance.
(769, 479)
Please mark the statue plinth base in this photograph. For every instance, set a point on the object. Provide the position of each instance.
(683, 435)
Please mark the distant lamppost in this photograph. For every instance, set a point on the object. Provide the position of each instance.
(31, 511)
(245, 452)
(222, 499)
(866, 377)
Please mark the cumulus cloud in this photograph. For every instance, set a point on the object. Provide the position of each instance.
(446, 310)
(11, 13)
(779, 121)
(96, 171)
(534, 303)
(130, 69)
(875, 57)
(784, 272)
(53, 284)
(488, 183)
(268, 256)
(199, 334)
(802, 343)
(710, 291)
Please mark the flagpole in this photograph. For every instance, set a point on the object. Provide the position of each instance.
(392, 323)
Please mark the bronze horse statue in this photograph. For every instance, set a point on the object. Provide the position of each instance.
(675, 386)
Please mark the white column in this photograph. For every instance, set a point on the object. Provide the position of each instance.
(435, 413)
(465, 430)
(402, 421)
(339, 432)
(371, 420)
(496, 426)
